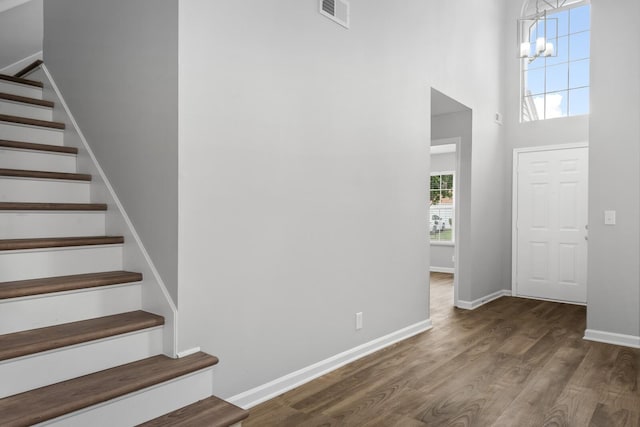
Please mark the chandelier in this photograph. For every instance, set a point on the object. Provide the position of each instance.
(537, 33)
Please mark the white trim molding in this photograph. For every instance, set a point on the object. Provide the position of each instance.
(257, 395)
(188, 352)
(612, 338)
(19, 65)
(10, 4)
(449, 270)
(472, 305)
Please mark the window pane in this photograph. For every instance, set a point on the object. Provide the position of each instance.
(579, 101)
(552, 27)
(557, 77)
(537, 62)
(556, 105)
(562, 50)
(563, 22)
(441, 222)
(580, 20)
(435, 182)
(579, 45)
(579, 74)
(434, 197)
(534, 81)
(447, 182)
(530, 110)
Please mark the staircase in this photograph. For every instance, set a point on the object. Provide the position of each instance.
(76, 348)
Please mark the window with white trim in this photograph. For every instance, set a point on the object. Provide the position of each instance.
(558, 86)
(441, 207)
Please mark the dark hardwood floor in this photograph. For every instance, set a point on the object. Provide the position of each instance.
(513, 362)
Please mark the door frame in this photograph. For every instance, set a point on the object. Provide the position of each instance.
(457, 140)
(514, 206)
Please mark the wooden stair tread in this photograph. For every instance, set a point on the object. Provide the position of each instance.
(40, 147)
(35, 64)
(26, 100)
(57, 242)
(21, 80)
(23, 173)
(210, 412)
(31, 122)
(47, 285)
(23, 343)
(36, 206)
(55, 400)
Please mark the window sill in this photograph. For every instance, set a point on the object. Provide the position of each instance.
(437, 243)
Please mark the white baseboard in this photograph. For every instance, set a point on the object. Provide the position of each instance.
(188, 352)
(472, 305)
(19, 65)
(442, 270)
(612, 338)
(257, 395)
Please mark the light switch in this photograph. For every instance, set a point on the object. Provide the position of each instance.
(610, 217)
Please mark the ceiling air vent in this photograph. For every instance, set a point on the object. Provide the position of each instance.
(336, 10)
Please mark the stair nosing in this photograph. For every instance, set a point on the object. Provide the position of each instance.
(21, 145)
(22, 81)
(32, 122)
(29, 68)
(52, 285)
(204, 410)
(26, 173)
(26, 100)
(58, 242)
(54, 400)
(45, 206)
(55, 337)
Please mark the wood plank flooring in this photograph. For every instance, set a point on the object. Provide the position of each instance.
(512, 362)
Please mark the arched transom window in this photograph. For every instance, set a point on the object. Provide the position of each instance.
(554, 49)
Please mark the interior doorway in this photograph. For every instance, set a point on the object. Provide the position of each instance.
(449, 201)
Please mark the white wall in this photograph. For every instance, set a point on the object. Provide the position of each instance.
(20, 31)
(116, 65)
(441, 254)
(304, 154)
(614, 133)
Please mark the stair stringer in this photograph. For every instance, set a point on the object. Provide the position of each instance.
(155, 296)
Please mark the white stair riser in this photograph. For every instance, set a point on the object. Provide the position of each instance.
(147, 404)
(33, 264)
(37, 160)
(25, 225)
(20, 89)
(18, 314)
(22, 109)
(43, 190)
(37, 134)
(26, 373)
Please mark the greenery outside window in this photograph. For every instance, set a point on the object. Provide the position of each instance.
(441, 207)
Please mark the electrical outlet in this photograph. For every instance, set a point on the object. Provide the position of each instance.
(358, 321)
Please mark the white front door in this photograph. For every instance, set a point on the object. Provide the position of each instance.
(550, 208)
